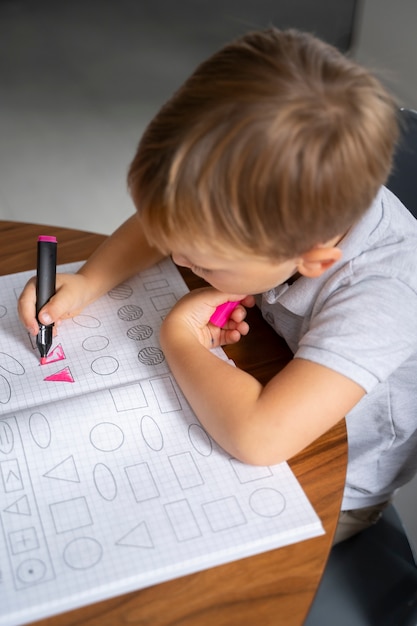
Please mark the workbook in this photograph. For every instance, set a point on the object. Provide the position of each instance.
(108, 482)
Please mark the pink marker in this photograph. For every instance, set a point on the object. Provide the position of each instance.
(223, 312)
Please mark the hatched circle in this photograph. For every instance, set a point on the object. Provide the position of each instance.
(267, 502)
(130, 312)
(151, 356)
(121, 292)
(140, 332)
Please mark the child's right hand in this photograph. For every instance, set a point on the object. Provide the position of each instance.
(71, 296)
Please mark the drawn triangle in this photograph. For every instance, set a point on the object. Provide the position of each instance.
(19, 507)
(66, 470)
(56, 354)
(63, 376)
(138, 537)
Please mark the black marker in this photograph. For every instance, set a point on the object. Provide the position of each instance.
(45, 289)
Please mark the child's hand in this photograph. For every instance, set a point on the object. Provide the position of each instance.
(194, 310)
(70, 298)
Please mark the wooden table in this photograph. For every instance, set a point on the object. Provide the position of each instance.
(271, 589)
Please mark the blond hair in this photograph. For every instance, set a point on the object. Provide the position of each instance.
(275, 144)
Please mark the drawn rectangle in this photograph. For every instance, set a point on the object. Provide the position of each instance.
(128, 398)
(186, 470)
(165, 394)
(11, 475)
(141, 482)
(182, 520)
(156, 284)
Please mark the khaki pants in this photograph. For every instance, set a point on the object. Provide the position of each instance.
(353, 522)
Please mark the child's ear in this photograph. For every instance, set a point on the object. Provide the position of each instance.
(315, 262)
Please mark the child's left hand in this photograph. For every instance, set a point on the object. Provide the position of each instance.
(194, 310)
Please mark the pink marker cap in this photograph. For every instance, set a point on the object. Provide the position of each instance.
(47, 238)
(222, 313)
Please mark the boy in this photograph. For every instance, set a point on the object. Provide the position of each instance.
(263, 174)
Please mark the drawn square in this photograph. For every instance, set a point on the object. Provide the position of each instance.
(128, 398)
(70, 514)
(156, 284)
(23, 540)
(248, 473)
(224, 514)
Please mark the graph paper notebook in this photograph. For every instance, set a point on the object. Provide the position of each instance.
(108, 483)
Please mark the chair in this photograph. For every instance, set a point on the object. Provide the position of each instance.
(403, 178)
(369, 580)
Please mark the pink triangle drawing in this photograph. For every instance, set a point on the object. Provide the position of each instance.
(63, 376)
(57, 354)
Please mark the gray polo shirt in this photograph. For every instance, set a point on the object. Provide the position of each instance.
(360, 319)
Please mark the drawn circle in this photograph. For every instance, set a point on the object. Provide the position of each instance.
(31, 571)
(130, 312)
(105, 482)
(83, 553)
(140, 332)
(86, 321)
(95, 343)
(151, 433)
(6, 438)
(105, 365)
(10, 364)
(200, 440)
(5, 390)
(121, 292)
(267, 502)
(40, 430)
(3, 310)
(106, 437)
(151, 356)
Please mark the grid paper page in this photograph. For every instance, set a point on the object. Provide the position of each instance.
(119, 487)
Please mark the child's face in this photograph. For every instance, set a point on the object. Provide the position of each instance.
(235, 274)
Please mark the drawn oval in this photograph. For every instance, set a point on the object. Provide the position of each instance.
(121, 292)
(105, 365)
(140, 332)
(10, 364)
(267, 502)
(3, 310)
(86, 321)
(95, 343)
(200, 440)
(83, 553)
(151, 433)
(5, 390)
(107, 437)
(40, 430)
(6, 438)
(130, 312)
(151, 356)
(105, 482)
(31, 571)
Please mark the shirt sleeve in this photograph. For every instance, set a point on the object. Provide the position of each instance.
(364, 330)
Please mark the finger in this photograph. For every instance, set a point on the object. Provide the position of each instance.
(26, 307)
